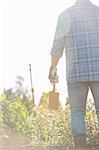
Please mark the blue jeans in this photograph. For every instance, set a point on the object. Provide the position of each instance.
(78, 96)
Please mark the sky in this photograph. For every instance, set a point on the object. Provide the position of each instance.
(27, 29)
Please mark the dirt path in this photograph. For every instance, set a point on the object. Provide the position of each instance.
(9, 141)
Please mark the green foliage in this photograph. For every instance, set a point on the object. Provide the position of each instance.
(42, 124)
(91, 123)
(18, 92)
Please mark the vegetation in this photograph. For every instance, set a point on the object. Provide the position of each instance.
(41, 123)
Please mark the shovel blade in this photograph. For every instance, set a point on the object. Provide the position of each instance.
(53, 100)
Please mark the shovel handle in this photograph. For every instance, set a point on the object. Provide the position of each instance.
(54, 87)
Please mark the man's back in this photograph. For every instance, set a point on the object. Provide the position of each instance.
(82, 43)
(78, 32)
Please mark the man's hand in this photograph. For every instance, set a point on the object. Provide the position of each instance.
(53, 75)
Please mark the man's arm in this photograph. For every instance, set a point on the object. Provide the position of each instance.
(57, 50)
(63, 27)
(54, 61)
(53, 70)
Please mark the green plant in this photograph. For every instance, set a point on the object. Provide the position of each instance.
(42, 124)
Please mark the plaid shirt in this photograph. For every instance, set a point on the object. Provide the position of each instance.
(78, 32)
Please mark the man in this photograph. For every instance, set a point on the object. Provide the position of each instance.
(78, 32)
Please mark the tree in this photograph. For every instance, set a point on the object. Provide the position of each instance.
(19, 92)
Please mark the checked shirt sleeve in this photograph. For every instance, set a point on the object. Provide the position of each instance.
(59, 40)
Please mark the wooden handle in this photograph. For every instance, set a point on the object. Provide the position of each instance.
(54, 87)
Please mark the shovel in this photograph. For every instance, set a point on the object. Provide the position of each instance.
(53, 99)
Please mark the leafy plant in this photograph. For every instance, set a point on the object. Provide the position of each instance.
(42, 124)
